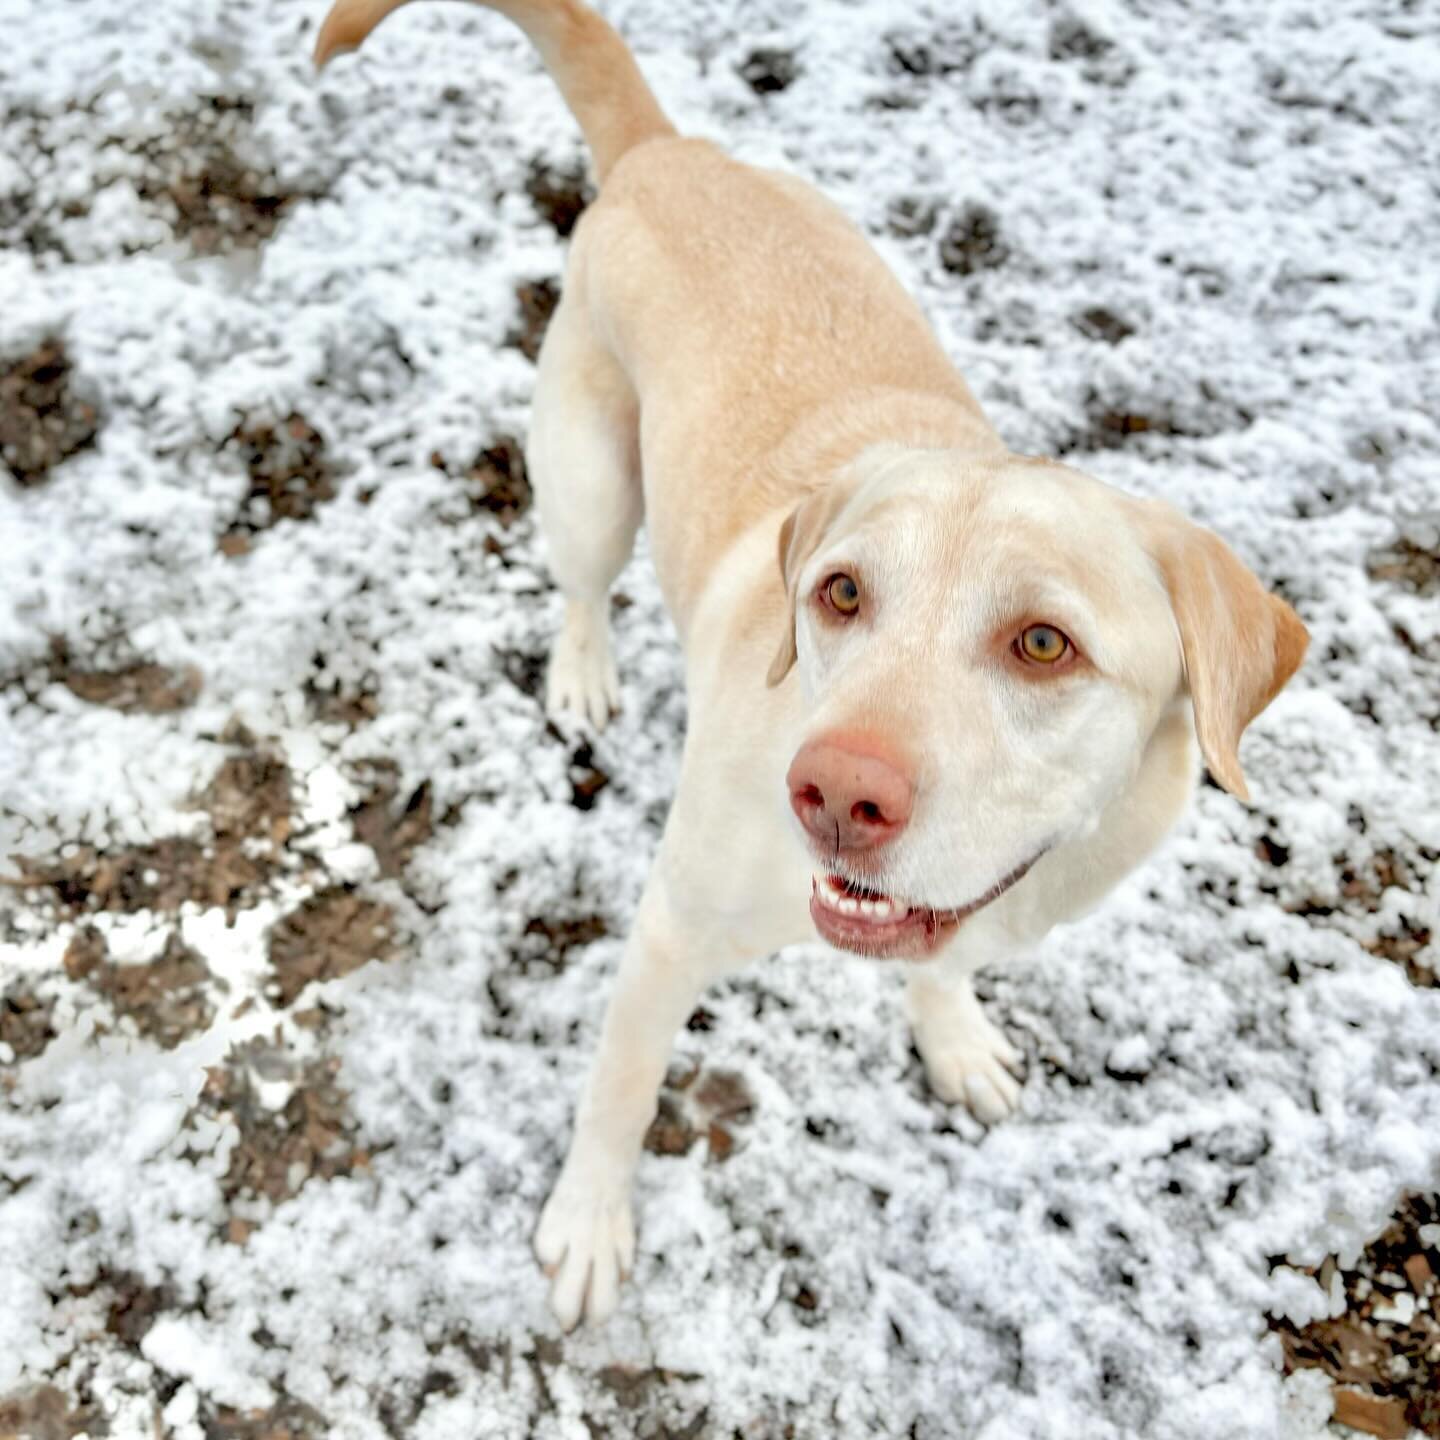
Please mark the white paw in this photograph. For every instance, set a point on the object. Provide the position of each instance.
(971, 1064)
(582, 681)
(585, 1243)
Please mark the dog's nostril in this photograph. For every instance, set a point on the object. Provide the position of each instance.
(810, 795)
(868, 811)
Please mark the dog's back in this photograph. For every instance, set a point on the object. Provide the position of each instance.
(723, 291)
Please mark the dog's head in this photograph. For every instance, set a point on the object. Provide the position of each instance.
(985, 648)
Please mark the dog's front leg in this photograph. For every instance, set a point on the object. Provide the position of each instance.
(586, 1236)
(967, 1058)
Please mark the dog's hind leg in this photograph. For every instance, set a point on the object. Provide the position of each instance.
(584, 462)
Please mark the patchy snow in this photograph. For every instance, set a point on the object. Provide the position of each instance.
(1190, 246)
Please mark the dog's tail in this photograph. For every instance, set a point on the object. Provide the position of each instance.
(590, 63)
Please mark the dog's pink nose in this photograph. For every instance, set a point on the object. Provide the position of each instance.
(847, 793)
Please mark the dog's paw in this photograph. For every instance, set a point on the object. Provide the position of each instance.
(972, 1064)
(582, 681)
(585, 1243)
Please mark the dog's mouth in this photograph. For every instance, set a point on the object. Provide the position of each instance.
(854, 915)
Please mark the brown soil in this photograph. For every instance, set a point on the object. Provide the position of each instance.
(559, 193)
(1409, 565)
(132, 689)
(550, 939)
(25, 1021)
(250, 796)
(43, 1413)
(162, 876)
(165, 998)
(290, 1419)
(972, 242)
(344, 704)
(768, 71)
(43, 420)
(311, 1137)
(1098, 323)
(1386, 1369)
(211, 194)
(497, 483)
(695, 1103)
(587, 780)
(1358, 889)
(330, 935)
(248, 800)
(392, 828)
(537, 300)
(289, 475)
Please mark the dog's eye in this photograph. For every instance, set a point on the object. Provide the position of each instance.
(842, 594)
(1043, 643)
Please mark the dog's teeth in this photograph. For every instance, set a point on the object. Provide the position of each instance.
(882, 909)
(848, 906)
(868, 907)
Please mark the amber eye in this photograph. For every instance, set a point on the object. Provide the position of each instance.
(843, 594)
(1043, 643)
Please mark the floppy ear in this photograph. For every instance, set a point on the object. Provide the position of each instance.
(800, 537)
(1240, 643)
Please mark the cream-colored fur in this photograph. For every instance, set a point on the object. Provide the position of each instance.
(734, 362)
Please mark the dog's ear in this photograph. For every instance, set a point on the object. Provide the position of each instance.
(800, 537)
(1240, 643)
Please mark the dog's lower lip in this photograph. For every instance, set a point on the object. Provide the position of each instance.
(852, 916)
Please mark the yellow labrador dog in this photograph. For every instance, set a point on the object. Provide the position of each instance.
(957, 710)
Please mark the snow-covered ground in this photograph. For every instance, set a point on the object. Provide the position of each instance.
(1191, 246)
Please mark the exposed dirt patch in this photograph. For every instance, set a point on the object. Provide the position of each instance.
(289, 475)
(1072, 39)
(311, 1136)
(559, 193)
(1383, 1353)
(289, 1419)
(250, 796)
(537, 300)
(587, 780)
(204, 175)
(550, 940)
(1409, 565)
(342, 704)
(972, 242)
(166, 998)
(394, 828)
(43, 1413)
(695, 1103)
(768, 71)
(634, 1387)
(398, 1413)
(496, 481)
(162, 876)
(1098, 323)
(1100, 60)
(248, 801)
(1360, 884)
(526, 672)
(131, 689)
(25, 1021)
(44, 418)
(1112, 420)
(910, 216)
(330, 935)
(134, 1305)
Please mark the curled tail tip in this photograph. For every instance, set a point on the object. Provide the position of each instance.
(344, 29)
(326, 49)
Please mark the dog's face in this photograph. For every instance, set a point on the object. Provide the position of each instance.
(984, 649)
